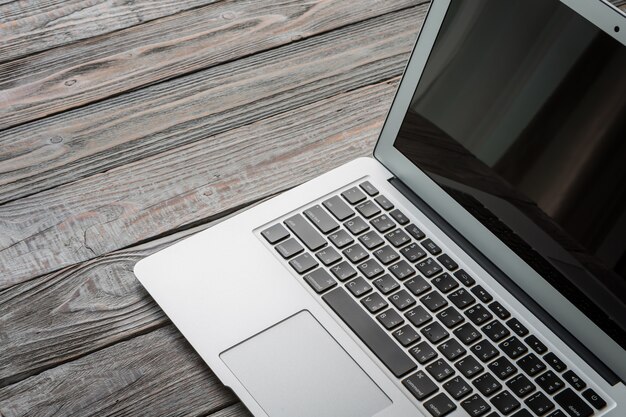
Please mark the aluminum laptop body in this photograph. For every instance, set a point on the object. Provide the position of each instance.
(441, 315)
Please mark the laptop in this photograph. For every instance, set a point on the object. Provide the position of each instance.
(474, 266)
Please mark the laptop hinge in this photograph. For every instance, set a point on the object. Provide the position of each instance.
(588, 356)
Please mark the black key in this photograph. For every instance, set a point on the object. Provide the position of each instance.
(550, 382)
(368, 188)
(440, 370)
(435, 332)
(531, 364)
(423, 352)
(496, 331)
(289, 248)
(440, 405)
(356, 225)
(445, 283)
(417, 285)
(458, 388)
(450, 317)
(386, 284)
(320, 280)
(539, 403)
(556, 363)
(431, 247)
(469, 366)
(420, 385)
(594, 399)
(386, 255)
(406, 335)
(353, 195)
(464, 277)
(399, 217)
(452, 349)
(390, 319)
(467, 334)
(475, 406)
(375, 338)
(355, 253)
(513, 347)
(415, 232)
(368, 209)
(397, 237)
(574, 380)
(303, 263)
(358, 287)
(505, 402)
(484, 350)
(517, 327)
(275, 233)
(338, 208)
(482, 294)
(499, 310)
(402, 270)
(486, 384)
(371, 240)
(413, 252)
(341, 238)
(321, 219)
(328, 256)
(418, 316)
(461, 298)
(536, 344)
(524, 413)
(502, 368)
(305, 232)
(343, 271)
(447, 262)
(429, 267)
(434, 301)
(520, 385)
(383, 223)
(573, 404)
(370, 268)
(494, 414)
(383, 202)
(374, 302)
(478, 314)
(402, 300)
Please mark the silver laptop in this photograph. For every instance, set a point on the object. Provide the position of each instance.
(475, 266)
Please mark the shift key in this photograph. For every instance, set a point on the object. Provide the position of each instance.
(305, 232)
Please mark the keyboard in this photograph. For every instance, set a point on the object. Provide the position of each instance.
(449, 342)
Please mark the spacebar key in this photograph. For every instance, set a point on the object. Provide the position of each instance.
(369, 332)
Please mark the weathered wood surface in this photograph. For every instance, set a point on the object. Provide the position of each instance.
(92, 216)
(146, 148)
(77, 74)
(103, 300)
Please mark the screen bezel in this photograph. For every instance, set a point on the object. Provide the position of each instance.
(604, 16)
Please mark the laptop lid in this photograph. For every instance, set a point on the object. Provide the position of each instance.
(526, 100)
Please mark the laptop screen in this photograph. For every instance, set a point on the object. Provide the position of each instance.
(520, 115)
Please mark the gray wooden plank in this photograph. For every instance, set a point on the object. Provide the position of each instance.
(233, 410)
(83, 219)
(74, 144)
(30, 26)
(70, 313)
(74, 75)
(155, 374)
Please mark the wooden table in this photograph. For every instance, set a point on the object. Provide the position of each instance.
(127, 126)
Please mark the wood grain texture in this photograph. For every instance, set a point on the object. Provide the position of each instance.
(64, 315)
(155, 374)
(30, 26)
(83, 72)
(116, 131)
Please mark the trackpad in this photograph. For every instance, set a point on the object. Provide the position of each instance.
(295, 368)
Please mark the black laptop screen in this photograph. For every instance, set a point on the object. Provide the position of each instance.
(525, 100)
